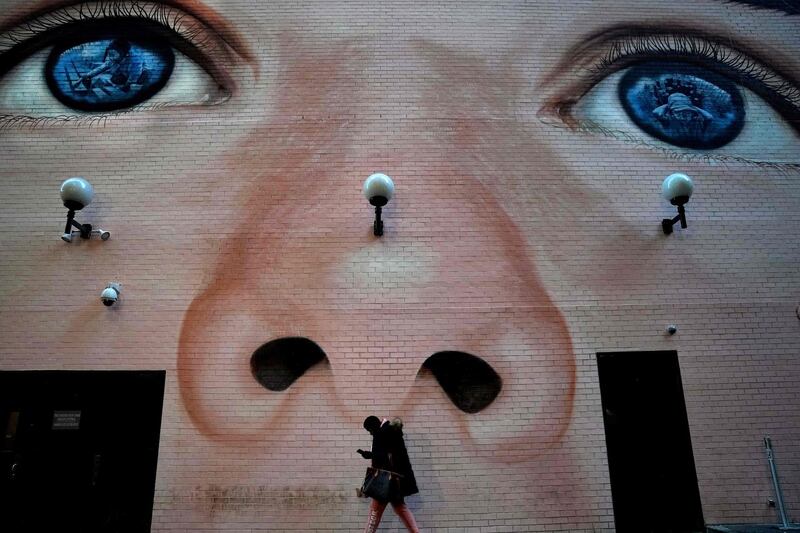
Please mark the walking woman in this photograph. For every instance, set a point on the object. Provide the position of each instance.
(389, 455)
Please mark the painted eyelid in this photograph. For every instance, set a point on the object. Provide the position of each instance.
(203, 44)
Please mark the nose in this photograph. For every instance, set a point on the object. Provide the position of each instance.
(452, 273)
(462, 280)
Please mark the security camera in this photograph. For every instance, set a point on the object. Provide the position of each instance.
(672, 329)
(110, 294)
(104, 234)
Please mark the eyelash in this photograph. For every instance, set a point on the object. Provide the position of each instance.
(167, 17)
(712, 54)
(8, 122)
(627, 50)
(669, 153)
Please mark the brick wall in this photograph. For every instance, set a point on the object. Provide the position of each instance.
(525, 230)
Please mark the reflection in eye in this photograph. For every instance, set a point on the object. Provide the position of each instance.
(107, 74)
(469, 381)
(716, 103)
(682, 104)
(109, 58)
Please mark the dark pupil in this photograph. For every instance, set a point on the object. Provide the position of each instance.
(682, 104)
(109, 73)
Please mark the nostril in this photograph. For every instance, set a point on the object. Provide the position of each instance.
(469, 381)
(278, 363)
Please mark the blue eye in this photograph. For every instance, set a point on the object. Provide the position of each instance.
(682, 104)
(109, 73)
(76, 63)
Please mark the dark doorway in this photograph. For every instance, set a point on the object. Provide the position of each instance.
(651, 466)
(79, 450)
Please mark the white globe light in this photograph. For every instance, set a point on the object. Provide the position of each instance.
(76, 193)
(379, 185)
(677, 185)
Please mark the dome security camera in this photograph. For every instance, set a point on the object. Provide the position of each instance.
(672, 329)
(110, 294)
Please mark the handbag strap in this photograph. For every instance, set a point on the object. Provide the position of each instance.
(377, 471)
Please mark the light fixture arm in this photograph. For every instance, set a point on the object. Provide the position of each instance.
(85, 229)
(377, 227)
(378, 202)
(667, 223)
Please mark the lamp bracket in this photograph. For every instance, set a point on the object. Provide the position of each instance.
(84, 229)
(667, 223)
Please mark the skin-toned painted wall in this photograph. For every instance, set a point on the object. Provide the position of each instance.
(525, 230)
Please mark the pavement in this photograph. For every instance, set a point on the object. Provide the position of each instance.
(750, 528)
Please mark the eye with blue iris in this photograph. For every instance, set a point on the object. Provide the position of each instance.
(109, 72)
(692, 97)
(75, 63)
(682, 104)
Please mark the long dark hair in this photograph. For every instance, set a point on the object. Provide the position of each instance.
(120, 45)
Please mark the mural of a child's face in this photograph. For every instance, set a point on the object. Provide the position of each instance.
(507, 136)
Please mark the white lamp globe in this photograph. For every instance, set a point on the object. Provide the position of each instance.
(378, 188)
(676, 186)
(76, 193)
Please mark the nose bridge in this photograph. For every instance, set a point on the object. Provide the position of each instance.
(393, 92)
(399, 78)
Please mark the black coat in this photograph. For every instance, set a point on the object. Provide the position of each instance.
(389, 453)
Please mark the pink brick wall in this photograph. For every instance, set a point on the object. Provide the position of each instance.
(525, 230)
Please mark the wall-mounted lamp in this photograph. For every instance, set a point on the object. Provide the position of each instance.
(677, 189)
(77, 193)
(378, 189)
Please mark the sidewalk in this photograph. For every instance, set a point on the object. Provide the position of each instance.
(749, 528)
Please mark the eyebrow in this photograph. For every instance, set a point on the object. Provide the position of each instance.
(787, 7)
